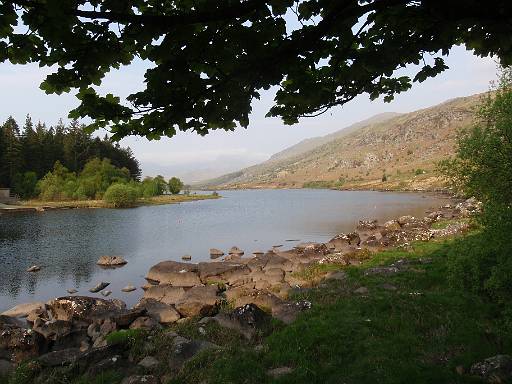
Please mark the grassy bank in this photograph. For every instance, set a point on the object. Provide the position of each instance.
(156, 200)
(410, 327)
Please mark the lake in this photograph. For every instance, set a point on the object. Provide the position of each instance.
(67, 243)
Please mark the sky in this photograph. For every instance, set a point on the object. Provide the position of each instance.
(193, 157)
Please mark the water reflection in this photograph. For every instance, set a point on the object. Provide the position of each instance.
(67, 244)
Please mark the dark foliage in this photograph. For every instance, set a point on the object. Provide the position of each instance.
(211, 59)
(31, 152)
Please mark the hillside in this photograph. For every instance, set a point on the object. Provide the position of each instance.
(404, 148)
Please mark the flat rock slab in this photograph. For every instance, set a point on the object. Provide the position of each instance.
(111, 261)
(23, 310)
(161, 271)
(166, 293)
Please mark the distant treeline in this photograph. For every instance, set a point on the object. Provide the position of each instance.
(36, 149)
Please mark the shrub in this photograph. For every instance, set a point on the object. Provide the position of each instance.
(120, 196)
(175, 185)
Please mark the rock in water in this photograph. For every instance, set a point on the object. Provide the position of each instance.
(236, 251)
(111, 261)
(99, 287)
(216, 253)
(72, 291)
(34, 268)
(106, 293)
(23, 310)
(129, 288)
(186, 257)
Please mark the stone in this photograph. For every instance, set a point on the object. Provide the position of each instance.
(149, 362)
(288, 312)
(198, 301)
(72, 291)
(129, 288)
(161, 312)
(111, 363)
(60, 358)
(391, 225)
(236, 251)
(361, 291)
(106, 293)
(495, 369)
(166, 293)
(52, 329)
(161, 271)
(383, 271)
(339, 276)
(144, 322)
(388, 287)
(83, 309)
(225, 272)
(216, 253)
(181, 279)
(141, 379)
(76, 338)
(250, 315)
(125, 318)
(367, 225)
(23, 310)
(111, 261)
(186, 257)
(34, 268)
(279, 372)
(184, 349)
(19, 344)
(99, 287)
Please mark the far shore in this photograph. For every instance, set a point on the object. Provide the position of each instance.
(40, 205)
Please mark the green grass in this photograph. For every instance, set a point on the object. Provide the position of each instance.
(417, 334)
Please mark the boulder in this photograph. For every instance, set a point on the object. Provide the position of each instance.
(149, 362)
(184, 349)
(83, 309)
(198, 301)
(19, 344)
(128, 288)
(111, 261)
(361, 291)
(52, 329)
(161, 312)
(276, 373)
(236, 251)
(367, 225)
(216, 253)
(106, 293)
(383, 271)
(23, 310)
(339, 276)
(181, 279)
(141, 379)
(72, 291)
(166, 293)
(288, 312)
(144, 322)
(391, 225)
(186, 257)
(99, 287)
(60, 358)
(495, 369)
(222, 272)
(247, 320)
(160, 272)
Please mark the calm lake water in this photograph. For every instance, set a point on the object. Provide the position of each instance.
(68, 243)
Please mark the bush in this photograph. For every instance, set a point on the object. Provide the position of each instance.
(120, 196)
(25, 184)
(175, 185)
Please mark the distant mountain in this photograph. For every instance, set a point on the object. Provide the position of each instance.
(314, 142)
(387, 151)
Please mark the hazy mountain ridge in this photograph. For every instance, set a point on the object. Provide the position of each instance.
(404, 148)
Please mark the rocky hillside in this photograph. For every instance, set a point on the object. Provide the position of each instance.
(389, 151)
